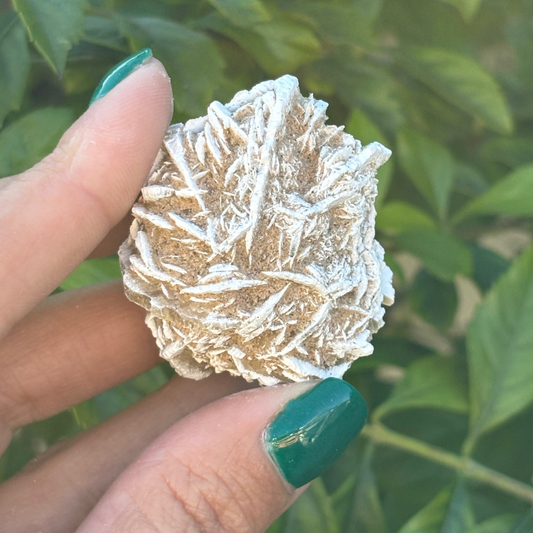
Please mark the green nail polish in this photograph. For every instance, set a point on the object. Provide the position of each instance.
(119, 72)
(314, 429)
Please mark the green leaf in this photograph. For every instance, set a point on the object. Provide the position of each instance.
(467, 8)
(93, 271)
(280, 45)
(242, 12)
(500, 344)
(513, 195)
(429, 166)
(448, 512)
(362, 128)
(399, 216)
(26, 141)
(433, 299)
(367, 515)
(488, 266)
(462, 82)
(498, 524)
(86, 414)
(190, 57)
(428, 383)
(443, 255)
(14, 64)
(104, 31)
(339, 24)
(312, 512)
(53, 26)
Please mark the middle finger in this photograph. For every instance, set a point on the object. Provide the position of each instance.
(74, 345)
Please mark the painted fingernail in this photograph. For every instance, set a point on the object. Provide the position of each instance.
(119, 72)
(314, 429)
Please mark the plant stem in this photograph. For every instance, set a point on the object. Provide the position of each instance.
(463, 465)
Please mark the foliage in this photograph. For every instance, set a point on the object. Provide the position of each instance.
(447, 85)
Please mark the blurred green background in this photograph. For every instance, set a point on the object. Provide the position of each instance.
(447, 85)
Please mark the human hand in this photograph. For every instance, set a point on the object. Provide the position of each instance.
(171, 462)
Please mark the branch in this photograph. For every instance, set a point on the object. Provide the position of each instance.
(463, 465)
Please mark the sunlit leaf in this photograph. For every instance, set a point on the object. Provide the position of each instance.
(27, 140)
(53, 26)
(500, 344)
(399, 216)
(442, 254)
(362, 128)
(448, 512)
(513, 195)
(461, 81)
(429, 166)
(242, 12)
(93, 271)
(190, 57)
(428, 383)
(14, 63)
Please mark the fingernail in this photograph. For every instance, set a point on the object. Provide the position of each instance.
(314, 429)
(119, 72)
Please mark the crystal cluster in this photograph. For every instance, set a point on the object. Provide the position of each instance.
(253, 249)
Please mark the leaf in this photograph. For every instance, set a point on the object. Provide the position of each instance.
(339, 24)
(443, 255)
(105, 32)
(488, 265)
(467, 8)
(367, 515)
(429, 166)
(448, 512)
(190, 57)
(430, 382)
(362, 128)
(513, 195)
(14, 64)
(497, 524)
(500, 344)
(243, 13)
(53, 26)
(280, 45)
(398, 216)
(26, 141)
(312, 512)
(462, 82)
(93, 271)
(434, 300)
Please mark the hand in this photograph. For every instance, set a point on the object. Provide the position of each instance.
(171, 462)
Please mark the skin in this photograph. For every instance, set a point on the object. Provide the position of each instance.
(188, 458)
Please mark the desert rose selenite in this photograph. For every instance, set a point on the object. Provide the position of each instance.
(253, 249)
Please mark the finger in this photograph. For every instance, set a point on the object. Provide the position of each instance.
(55, 214)
(78, 471)
(212, 472)
(71, 347)
(111, 242)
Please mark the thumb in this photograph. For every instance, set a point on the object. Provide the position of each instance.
(236, 464)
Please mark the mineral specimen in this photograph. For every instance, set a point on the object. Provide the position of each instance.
(253, 247)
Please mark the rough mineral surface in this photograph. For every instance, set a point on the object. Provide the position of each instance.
(253, 246)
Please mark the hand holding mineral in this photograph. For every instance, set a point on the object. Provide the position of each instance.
(195, 455)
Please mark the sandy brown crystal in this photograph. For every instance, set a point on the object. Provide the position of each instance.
(253, 247)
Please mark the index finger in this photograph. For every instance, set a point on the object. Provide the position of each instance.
(53, 215)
